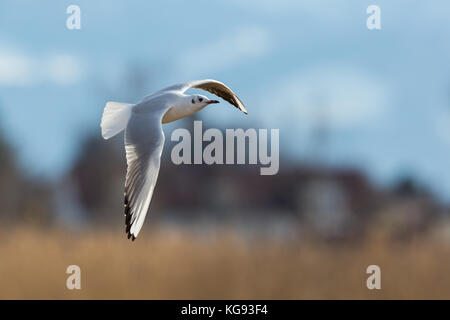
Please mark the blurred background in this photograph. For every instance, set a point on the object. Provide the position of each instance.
(364, 119)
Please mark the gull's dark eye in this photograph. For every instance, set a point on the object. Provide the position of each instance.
(200, 99)
(193, 101)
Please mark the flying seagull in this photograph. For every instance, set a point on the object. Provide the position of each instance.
(144, 137)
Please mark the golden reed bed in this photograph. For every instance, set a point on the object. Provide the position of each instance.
(171, 264)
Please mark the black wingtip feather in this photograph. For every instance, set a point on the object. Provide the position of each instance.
(128, 219)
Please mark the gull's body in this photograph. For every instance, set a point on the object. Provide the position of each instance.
(144, 137)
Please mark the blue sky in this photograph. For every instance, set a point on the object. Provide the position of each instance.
(383, 95)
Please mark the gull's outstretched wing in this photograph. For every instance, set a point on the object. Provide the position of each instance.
(213, 86)
(144, 140)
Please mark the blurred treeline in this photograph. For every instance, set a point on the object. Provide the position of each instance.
(302, 200)
(23, 199)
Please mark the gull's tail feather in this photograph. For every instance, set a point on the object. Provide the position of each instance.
(115, 118)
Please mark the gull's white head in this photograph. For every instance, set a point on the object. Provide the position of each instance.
(200, 101)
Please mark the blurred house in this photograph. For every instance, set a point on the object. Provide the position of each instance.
(331, 203)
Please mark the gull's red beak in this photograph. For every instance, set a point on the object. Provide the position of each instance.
(212, 101)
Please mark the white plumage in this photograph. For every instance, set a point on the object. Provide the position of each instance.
(115, 118)
(144, 137)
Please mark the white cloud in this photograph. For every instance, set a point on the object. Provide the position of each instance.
(18, 69)
(339, 97)
(64, 69)
(236, 47)
(15, 69)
